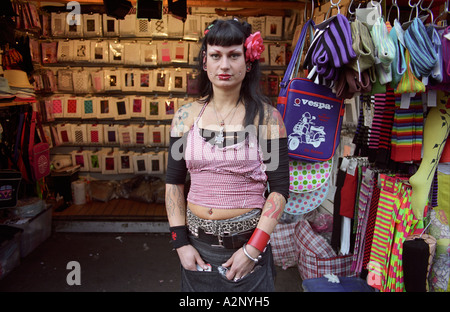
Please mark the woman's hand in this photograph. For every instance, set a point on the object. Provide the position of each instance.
(189, 258)
(239, 264)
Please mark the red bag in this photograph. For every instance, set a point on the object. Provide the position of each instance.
(39, 154)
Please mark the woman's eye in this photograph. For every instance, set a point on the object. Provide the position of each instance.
(214, 56)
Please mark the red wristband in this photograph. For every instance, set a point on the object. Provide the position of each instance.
(259, 239)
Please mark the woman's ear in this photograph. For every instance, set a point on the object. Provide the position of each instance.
(204, 60)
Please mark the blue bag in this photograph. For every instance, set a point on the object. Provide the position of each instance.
(311, 112)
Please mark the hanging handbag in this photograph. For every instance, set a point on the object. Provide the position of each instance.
(39, 154)
(311, 113)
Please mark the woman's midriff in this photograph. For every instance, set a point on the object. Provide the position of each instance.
(217, 214)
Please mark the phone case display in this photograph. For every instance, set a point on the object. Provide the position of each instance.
(111, 133)
(145, 79)
(49, 52)
(72, 107)
(90, 107)
(154, 108)
(81, 48)
(140, 163)
(57, 106)
(65, 48)
(81, 80)
(159, 27)
(92, 25)
(192, 29)
(170, 107)
(274, 27)
(177, 80)
(143, 28)
(58, 24)
(156, 163)
(125, 134)
(277, 54)
(65, 80)
(129, 79)
(105, 108)
(94, 160)
(258, 24)
(116, 52)
(149, 54)
(176, 26)
(192, 82)
(112, 80)
(264, 57)
(98, 81)
(164, 52)
(122, 107)
(99, 51)
(167, 134)
(161, 80)
(110, 162)
(48, 135)
(80, 134)
(81, 159)
(110, 26)
(127, 26)
(125, 162)
(137, 106)
(180, 52)
(64, 133)
(157, 135)
(194, 50)
(141, 134)
(132, 53)
(95, 133)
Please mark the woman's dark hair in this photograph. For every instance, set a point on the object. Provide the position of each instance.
(227, 33)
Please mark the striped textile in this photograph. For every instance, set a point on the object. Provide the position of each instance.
(384, 145)
(423, 54)
(365, 198)
(225, 178)
(407, 131)
(409, 82)
(384, 229)
(370, 225)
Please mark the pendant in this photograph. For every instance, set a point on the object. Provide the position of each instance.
(219, 138)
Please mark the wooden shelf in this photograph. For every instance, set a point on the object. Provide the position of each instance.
(293, 5)
(10, 104)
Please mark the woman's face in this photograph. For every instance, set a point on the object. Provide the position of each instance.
(225, 66)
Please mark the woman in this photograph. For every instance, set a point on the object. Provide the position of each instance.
(233, 143)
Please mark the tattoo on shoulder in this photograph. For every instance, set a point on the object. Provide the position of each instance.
(179, 125)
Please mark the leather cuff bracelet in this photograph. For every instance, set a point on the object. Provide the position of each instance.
(259, 239)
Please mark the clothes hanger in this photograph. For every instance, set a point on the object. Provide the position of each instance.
(446, 9)
(427, 9)
(394, 5)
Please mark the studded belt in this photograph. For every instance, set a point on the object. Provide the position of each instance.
(223, 228)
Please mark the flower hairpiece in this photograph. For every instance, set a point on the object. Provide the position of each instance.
(255, 47)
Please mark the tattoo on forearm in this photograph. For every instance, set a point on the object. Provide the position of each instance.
(175, 200)
(275, 206)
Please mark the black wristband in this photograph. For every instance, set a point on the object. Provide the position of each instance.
(179, 236)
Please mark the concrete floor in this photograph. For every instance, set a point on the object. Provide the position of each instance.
(109, 262)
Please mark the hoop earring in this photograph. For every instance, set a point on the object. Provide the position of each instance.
(204, 67)
(249, 67)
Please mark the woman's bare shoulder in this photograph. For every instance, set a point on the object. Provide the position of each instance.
(184, 118)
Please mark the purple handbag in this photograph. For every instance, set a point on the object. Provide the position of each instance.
(311, 113)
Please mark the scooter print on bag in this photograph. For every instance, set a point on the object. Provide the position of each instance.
(305, 132)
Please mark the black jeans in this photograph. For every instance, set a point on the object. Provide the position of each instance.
(262, 279)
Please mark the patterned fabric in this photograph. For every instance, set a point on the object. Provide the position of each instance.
(225, 178)
(316, 257)
(283, 249)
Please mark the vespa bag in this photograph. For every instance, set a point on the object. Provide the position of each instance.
(311, 112)
(38, 153)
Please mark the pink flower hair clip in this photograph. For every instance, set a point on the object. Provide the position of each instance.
(255, 47)
(207, 29)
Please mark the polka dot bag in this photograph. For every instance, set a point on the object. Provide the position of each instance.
(308, 176)
(301, 203)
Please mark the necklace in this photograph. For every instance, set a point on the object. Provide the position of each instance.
(220, 138)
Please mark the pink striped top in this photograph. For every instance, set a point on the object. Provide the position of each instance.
(225, 178)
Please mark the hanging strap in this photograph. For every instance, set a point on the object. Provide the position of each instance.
(294, 64)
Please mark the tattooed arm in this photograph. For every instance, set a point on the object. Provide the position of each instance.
(175, 200)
